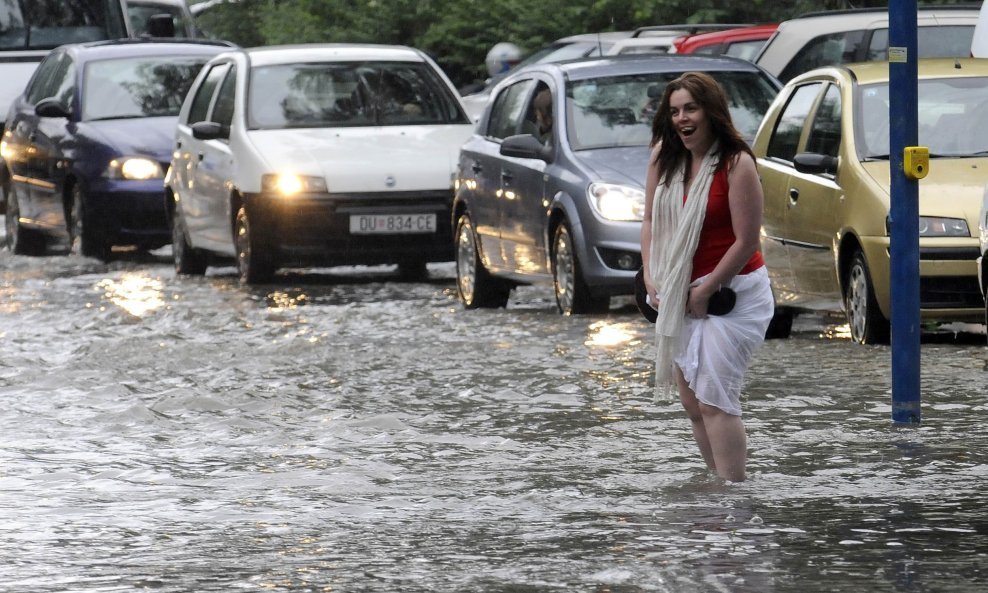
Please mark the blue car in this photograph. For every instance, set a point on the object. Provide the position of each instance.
(87, 144)
(557, 195)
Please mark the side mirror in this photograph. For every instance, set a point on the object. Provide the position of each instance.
(525, 146)
(210, 130)
(814, 163)
(51, 107)
(161, 25)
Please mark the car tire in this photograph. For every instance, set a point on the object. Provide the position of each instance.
(572, 293)
(865, 319)
(20, 241)
(474, 284)
(255, 265)
(85, 237)
(189, 261)
(780, 327)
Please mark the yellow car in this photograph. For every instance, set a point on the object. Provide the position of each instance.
(823, 154)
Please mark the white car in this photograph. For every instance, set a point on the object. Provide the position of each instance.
(289, 156)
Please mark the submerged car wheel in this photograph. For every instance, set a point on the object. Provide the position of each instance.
(474, 284)
(572, 294)
(868, 325)
(84, 236)
(188, 259)
(255, 266)
(20, 240)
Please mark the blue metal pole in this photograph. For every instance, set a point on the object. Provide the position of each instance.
(904, 214)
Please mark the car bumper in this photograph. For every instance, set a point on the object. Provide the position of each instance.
(129, 211)
(316, 229)
(948, 278)
(611, 257)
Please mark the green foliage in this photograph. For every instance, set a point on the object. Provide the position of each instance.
(459, 33)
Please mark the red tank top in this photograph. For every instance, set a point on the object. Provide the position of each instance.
(717, 233)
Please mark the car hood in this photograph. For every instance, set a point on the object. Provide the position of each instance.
(386, 158)
(148, 136)
(952, 188)
(623, 164)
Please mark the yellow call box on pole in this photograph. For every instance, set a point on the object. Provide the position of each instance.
(916, 162)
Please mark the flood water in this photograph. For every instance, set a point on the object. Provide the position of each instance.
(340, 430)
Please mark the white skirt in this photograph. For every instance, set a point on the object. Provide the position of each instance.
(715, 352)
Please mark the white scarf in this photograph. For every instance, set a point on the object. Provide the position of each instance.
(675, 235)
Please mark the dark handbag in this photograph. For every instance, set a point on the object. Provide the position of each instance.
(722, 301)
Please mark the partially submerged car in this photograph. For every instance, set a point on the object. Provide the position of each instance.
(335, 154)
(562, 204)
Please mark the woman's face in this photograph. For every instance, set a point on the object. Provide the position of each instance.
(689, 120)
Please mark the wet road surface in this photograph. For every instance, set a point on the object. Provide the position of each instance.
(341, 430)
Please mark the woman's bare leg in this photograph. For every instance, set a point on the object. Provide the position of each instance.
(692, 407)
(727, 441)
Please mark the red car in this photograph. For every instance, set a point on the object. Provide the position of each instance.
(739, 43)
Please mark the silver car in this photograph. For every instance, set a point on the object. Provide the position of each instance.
(566, 208)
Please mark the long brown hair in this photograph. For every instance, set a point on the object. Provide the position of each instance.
(711, 97)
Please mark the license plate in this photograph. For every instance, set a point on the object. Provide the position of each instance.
(390, 224)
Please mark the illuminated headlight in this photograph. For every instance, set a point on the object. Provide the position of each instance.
(932, 226)
(135, 168)
(617, 202)
(5, 151)
(289, 184)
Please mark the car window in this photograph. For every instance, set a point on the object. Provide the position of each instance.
(825, 132)
(746, 50)
(348, 94)
(939, 41)
(226, 99)
(138, 87)
(63, 82)
(785, 138)
(618, 110)
(204, 94)
(42, 85)
(506, 113)
(825, 50)
(952, 115)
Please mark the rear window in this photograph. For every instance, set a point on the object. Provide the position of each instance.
(349, 94)
(46, 24)
(618, 110)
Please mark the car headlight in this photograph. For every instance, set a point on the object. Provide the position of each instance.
(289, 184)
(933, 226)
(135, 168)
(617, 202)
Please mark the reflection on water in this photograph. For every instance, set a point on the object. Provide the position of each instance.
(344, 431)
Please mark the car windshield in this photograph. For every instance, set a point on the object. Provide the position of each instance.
(618, 110)
(349, 94)
(952, 115)
(138, 87)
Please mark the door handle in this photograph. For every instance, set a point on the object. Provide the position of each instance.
(506, 177)
(793, 196)
(476, 168)
(178, 144)
(201, 155)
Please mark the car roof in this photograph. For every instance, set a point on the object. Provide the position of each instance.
(621, 65)
(830, 21)
(714, 37)
(606, 36)
(321, 52)
(100, 50)
(878, 72)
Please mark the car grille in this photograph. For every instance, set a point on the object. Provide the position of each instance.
(950, 292)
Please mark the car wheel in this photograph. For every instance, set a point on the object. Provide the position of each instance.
(255, 266)
(188, 259)
(20, 240)
(474, 284)
(780, 327)
(572, 294)
(84, 236)
(868, 325)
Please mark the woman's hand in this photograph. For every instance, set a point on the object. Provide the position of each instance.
(698, 301)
